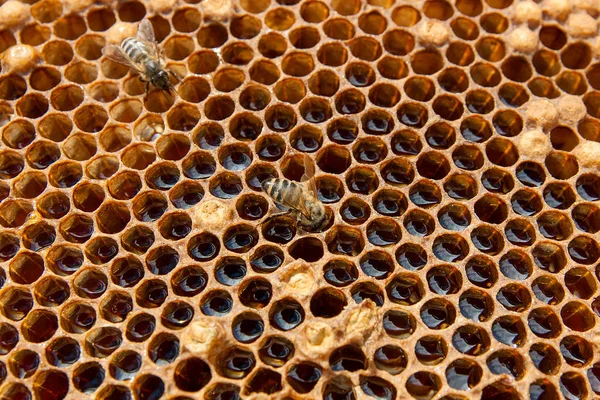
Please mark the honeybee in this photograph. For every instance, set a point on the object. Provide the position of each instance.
(141, 53)
(299, 198)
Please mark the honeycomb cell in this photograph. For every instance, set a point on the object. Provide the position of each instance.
(545, 358)
(88, 377)
(202, 62)
(376, 263)
(164, 349)
(18, 134)
(548, 290)
(460, 54)
(17, 303)
(425, 194)
(222, 389)
(576, 351)
(419, 89)
(304, 376)
(216, 303)
(328, 303)
(112, 217)
(192, 374)
(212, 36)
(507, 362)
(245, 127)
(463, 374)
(577, 316)
(140, 327)
(391, 359)
(368, 291)
(9, 246)
(148, 383)
(62, 352)
(431, 350)
(571, 82)
(476, 305)
(362, 180)
(248, 327)
(292, 90)
(438, 313)
(543, 388)
(471, 340)
(35, 34)
(592, 375)
(81, 147)
(572, 385)
(314, 11)
(29, 185)
(230, 271)
(383, 232)
(37, 237)
(276, 351)
(177, 315)
(39, 326)
(419, 223)
(315, 110)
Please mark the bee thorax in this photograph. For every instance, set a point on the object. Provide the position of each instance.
(317, 211)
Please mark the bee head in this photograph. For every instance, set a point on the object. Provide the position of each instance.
(161, 80)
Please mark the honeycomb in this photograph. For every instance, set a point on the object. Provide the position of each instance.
(456, 149)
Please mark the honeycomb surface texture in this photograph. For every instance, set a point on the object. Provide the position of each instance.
(456, 148)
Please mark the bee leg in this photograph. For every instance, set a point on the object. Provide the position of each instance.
(163, 93)
(147, 90)
(279, 214)
(301, 228)
(174, 75)
(171, 87)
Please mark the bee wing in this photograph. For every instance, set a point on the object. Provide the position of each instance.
(146, 31)
(146, 34)
(304, 210)
(308, 176)
(116, 54)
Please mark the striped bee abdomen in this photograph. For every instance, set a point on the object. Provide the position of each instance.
(283, 191)
(135, 50)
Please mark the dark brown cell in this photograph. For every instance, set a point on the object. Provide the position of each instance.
(548, 290)
(87, 377)
(264, 381)
(438, 313)
(276, 351)
(471, 340)
(422, 384)
(115, 306)
(286, 314)
(572, 385)
(544, 322)
(340, 272)
(507, 362)
(463, 374)
(390, 358)
(419, 223)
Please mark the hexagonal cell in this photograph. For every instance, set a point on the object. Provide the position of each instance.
(16, 305)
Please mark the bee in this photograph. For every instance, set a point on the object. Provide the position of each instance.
(141, 53)
(299, 198)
